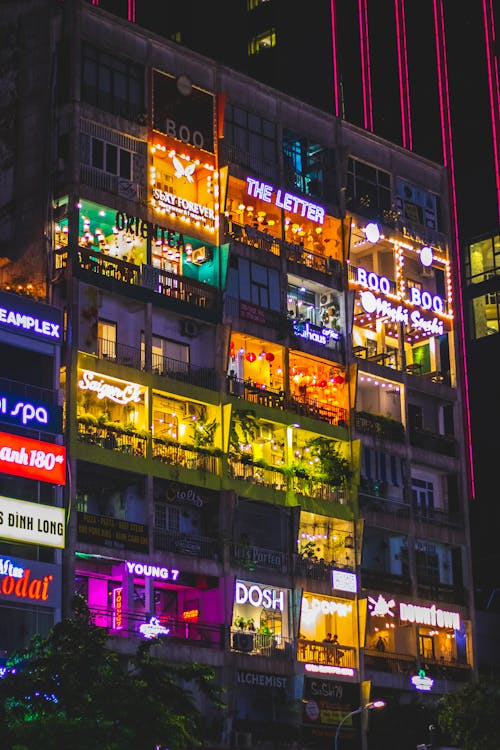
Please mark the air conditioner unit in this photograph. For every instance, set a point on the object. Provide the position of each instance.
(243, 739)
(191, 409)
(265, 432)
(189, 328)
(327, 299)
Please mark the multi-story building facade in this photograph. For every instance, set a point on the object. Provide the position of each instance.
(32, 468)
(260, 371)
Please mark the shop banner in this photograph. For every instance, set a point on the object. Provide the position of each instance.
(32, 459)
(30, 318)
(31, 522)
(30, 582)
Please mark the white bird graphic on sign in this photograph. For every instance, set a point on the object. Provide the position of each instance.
(181, 171)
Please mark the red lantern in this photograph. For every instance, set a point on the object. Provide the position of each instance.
(339, 379)
(270, 356)
(250, 357)
(322, 384)
(232, 350)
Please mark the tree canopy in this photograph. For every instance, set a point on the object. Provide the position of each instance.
(69, 690)
(469, 717)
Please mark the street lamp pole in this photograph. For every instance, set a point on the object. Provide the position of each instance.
(367, 707)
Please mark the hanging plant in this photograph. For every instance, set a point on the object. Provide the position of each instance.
(203, 433)
(244, 427)
(334, 469)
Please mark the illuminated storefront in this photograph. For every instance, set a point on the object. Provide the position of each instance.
(258, 206)
(394, 626)
(328, 635)
(403, 304)
(147, 599)
(261, 618)
(130, 239)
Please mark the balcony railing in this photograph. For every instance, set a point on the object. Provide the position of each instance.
(167, 284)
(262, 644)
(384, 581)
(190, 458)
(111, 438)
(294, 253)
(175, 369)
(33, 392)
(390, 662)
(319, 490)
(186, 544)
(441, 592)
(434, 442)
(203, 634)
(375, 424)
(251, 557)
(326, 653)
(247, 471)
(319, 570)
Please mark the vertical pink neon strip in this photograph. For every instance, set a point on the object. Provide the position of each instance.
(492, 65)
(336, 88)
(131, 11)
(446, 136)
(365, 65)
(404, 84)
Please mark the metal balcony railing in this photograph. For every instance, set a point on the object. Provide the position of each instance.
(317, 652)
(185, 456)
(262, 644)
(186, 544)
(128, 623)
(434, 442)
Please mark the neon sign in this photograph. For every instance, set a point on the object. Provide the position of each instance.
(153, 571)
(29, 581)
(138, 227)
(259, 597)
(33, 459)
(117, 622)
(314, 607)
(31, 522)
(329, 669)
(31, 318)
(422, 298)
(421, 682)
(14, 410)
(127, 393)
(314, 333)
(153, 629)
(286, 201)
(383, 308)
(174, 204)
(414, 613)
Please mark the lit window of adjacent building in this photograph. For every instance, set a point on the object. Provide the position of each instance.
(368, 188)
(263, 41)
(483, 260)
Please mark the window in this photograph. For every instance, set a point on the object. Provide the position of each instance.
(106, 335)
(253, 136)
(368, 188)
(483, 260)
(254, 283)
(422, 493)
(309, 167)
(262, 42)
(485, 312)
(167, 356)
(113, 84)
(167, 517)
(110, 158)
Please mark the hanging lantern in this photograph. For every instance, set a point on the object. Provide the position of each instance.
(339, 379)
(322, 384)
(250, 357)
(232, 350)
(270, 357)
